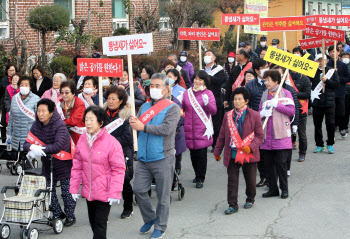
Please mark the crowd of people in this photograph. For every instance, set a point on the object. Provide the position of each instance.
(243, 108)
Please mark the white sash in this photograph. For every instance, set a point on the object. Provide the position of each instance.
(25, 110)
(80, 81)
(60, 111)
(201, 114)
(80, 96)
(178, 68)
(115, 124)
(78, 130)
(216, 70)
(317, 91)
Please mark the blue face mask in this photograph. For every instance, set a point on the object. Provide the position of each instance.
(171, 82)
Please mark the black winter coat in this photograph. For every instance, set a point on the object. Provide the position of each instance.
(56, 137)
(343, 75)
(215, 84)
(303, 84)
(3, 84)
(296, 103)
(45, 85)
(256, 90)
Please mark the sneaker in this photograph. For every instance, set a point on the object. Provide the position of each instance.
(319, 149)
(248, 205)
(126, 213)
(295, 145)
(147, 226)
(230, 210)
(263, 182)
(69, 222)
(288, 173)
(343, 133)
(199, 184)
(157, 234)
(194, 180)
(301, 158)
(330, 149)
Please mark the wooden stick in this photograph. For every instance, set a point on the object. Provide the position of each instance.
(335, 55)
(100, 91)
(132, 99)
(237, 43)
(200, 54)
(323, 63)
(284, 41)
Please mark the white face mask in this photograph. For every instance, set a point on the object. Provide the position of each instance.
(297, 54)
(207, 59)
(275, 46)
(123, 82)
(231, 59)
(346, 60)
(24, 90)
(262, 72)
(262, 44)
(105, 82)
(183, 58)
(156, 94)
(88, 91)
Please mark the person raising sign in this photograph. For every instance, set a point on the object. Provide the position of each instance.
(239, 124)
(156, 122)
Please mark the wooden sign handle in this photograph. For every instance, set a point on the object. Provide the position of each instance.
(132, 99)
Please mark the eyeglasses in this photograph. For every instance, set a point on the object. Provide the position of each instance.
(66, 93)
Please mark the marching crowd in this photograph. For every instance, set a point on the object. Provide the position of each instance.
(242, 108)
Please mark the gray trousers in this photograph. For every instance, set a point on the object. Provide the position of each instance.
(162, 171)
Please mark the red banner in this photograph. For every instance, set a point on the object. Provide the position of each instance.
(196, 34)
(311, 19)
(240, 19)
(333, 20)
(323, 32)
(313, 43)
(100, 67)
(270, 24)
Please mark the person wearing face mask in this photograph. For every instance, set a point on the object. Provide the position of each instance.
(168, 64)
(345, 58)
(42, 83)
(146, 75)
(344, 78)
(185, 64)
(89, 95)
(106, 83)
(275, 43)
(22, 114)
(183, 72)
(54, 93)
(11, 90)
(263, 45)
(177, 91)
(230, 62)
(323, 106)
(199, 105)
(156, 154)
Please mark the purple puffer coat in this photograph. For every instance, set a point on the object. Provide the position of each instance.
(189, 68)
(194, 127)
(180, 143)
(270, 143)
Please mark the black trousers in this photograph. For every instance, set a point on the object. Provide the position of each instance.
(276, 163)
(178, 159)
(263, 171)
(302, 134)
(199, 162)
(127, 191)
(289, 158)
(4, 125)
(340, 113)
(98, 216)
(347, 111)
(318, 115)
(217, 121)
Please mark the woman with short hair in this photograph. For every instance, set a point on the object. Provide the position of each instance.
(90, 88)
(54, 93)
(42, 83)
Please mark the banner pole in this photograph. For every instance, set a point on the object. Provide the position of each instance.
(237, 43)
(100, 91)
(200, 54)
(132, 99)
(323, 63)
(335, 54)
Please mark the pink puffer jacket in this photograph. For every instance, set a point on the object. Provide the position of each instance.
(100, 169)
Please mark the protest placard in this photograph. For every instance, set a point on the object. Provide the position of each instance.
(282, 23)
(240, 19)
(313, 43)
(100, 67)
(197, 34)
(260, 7)
(323, 32)
(333, 20)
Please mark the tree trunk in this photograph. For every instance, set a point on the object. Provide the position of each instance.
(43, 52)
(23, 62)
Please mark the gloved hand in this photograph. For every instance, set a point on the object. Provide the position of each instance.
(294, 129)
(265, 113)
(217, 158)
(112, 200)
(37, 150)
(31, 155)
(205, 99)
(75, 196)
(246, 149)
(274, 103)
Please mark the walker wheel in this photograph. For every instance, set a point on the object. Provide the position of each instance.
(23, 234)
(33, 233)
(18, 169)
(0, 167)
(5, 231)
(181, 192)
(57, 225)
(9, 165)
(13, 169)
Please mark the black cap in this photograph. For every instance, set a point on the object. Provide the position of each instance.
(184, 53)
(263, 38)
(242, 44)
(275, 41)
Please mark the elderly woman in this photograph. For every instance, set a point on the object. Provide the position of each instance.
(51, 131)
(89, 95)
(11, 90)
(239, 124)
(174, 80)
(277, 136)
(54, 93)
(99, 165)
(182, 81)
(72, 110)
(42, 83)
(199, 105)
(146, 75)
(22, 114)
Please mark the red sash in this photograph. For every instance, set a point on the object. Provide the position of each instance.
(304, 103)
(141, 89)
(154, 110)
(236, 140)
(240, 78)
(32, 139)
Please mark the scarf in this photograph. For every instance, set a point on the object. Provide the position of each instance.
(146, 83)
(126, 85)
(195, 89)
(87, 97)
(54, 95)
(9, 78)
(91, 138)
(239, 119)
(67, 108)
(112, 113)
(273, 91)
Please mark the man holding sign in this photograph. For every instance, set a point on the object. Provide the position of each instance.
(323, 103)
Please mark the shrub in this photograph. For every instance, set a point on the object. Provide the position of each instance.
(121, 31)
(98, 44)
(62, 64)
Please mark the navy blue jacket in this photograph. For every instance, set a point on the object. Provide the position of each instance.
(343, 75)
(256, 90)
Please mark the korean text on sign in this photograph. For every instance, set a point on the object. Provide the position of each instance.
(240, 19)
(196, 34)
(313, 43)
(291, 61)
(128, 44)
(100, 67)
(282, 24)
(333, 20)
(323, 32)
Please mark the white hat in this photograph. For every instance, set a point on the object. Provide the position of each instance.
(319, 56)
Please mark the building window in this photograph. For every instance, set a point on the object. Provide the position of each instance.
(346, 3)
(329, 9)
(120, 18)
(69, 5)
(310, 8)
(319, 8)
(4, 19)
(164, 19)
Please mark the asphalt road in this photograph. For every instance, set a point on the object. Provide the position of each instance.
(317, 207)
